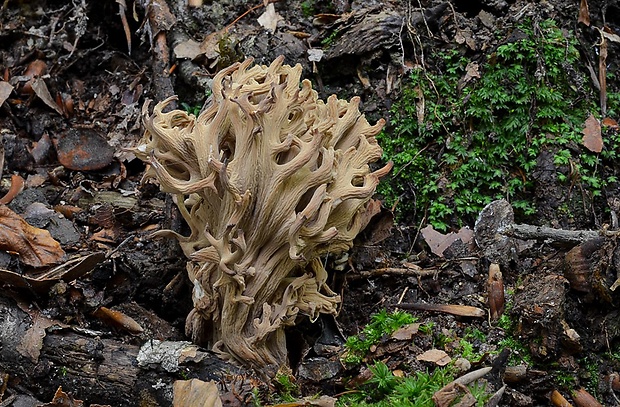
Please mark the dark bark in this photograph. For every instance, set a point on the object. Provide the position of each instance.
(97, 369)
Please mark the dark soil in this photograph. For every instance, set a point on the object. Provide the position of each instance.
(73, 151)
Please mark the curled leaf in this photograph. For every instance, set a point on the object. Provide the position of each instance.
(592, 138)
(35, 246)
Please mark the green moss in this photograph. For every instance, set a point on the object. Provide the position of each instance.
(465, 135)
(416, 390)
(308, 8)
(381, 324)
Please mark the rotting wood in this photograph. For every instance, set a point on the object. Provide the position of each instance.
(98, 369)
(495, 232)
(395, 271)
(459, 310)
(531, 232)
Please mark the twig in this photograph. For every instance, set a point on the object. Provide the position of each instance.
(530, 232)
(393, 271)
(236, 20)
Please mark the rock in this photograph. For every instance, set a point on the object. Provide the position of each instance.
(83, 150)
(319, 368)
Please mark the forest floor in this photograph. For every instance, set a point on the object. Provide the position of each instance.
(537, 306)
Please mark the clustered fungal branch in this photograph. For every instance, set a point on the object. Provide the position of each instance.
(268, 178)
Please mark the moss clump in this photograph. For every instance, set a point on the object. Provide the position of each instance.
(467, 134)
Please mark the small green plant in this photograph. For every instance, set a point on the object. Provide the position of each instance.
(417, 390)
(195, 110)
(474, 334)
(381, 324)
(307, 8)
(466, 349)
(479, 391)
(386, 389)
(184, 373)
(591, 375)
(286, 387)
(330, 39)
(427, 328)
(519, 353)
(256, 399)
(564, 379)
(467, 134)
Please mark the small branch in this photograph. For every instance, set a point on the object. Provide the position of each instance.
(530, 232)
(419, 272)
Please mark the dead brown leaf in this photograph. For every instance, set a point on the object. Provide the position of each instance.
(195, 393)
(35, 246)
(471, 72)
(188, 49)
(118, 319)
(438, 242)
(495, 292)
(62, 399)
(610, 35)
(377, 223)
(5, 91)
(269, 19)
(445, 396)
(592, 137)
(40, 89)
(17, 186)
(436, 356)
(42, 281)
(32, 341)
(460, 310)
(584, 13)
(34, 70)
(406, 332)
(610, 123)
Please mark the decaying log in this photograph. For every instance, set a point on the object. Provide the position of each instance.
(532, 232)
(98, 369)
(495, 231)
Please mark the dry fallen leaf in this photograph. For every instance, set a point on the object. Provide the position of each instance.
(446, 396)
(610, 123)
(471, 72)
(460, 310)
(188, 49)
(41, 281)
(5, 91)
(40, 89)
(608, 34)
(34, 70)
(436, 356)
(35, 246)
(195, 393)
(269, 19)
(495, 292)
(119, 320)
(406, 332)
(17, 186)
(584, 13)
(438, 242)
(62, 399)
(32, 341)
(592, 137)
